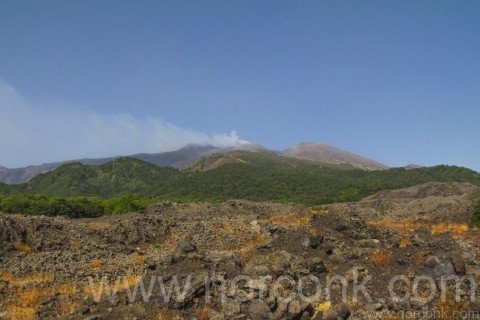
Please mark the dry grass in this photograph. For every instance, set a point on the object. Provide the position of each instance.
(404, 242)
(22, 247)
(201, 314)
(138, 259)
(354, 304)
(96, 263)
(322, 211)
(32, 279)
(293, 219)
(321, 308)
(27, 293)
(382, 257)
(249, 250)
(168, 314)
(99, 287)
(445, 227)
(21, 313)
(420, 257)
(98, 225)
(197, 262)
(450, 307)
(67, 307)
(405, 225)
(75, 245)
(228, 228)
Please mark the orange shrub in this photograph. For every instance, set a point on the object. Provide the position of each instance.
(444, 227)
(96, 263)
(404, 242)
(382, 257)
(22, 247)
(138, 259)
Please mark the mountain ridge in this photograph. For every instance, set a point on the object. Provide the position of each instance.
(330, 154)
(192, 153)
(176, 159)
(254, 176)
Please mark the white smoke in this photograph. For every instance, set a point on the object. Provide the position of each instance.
(32, 133)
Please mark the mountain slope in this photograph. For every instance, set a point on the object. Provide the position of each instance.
(263, 176)
(257, 176)
(118, 177)
(330, 154)
(176, 159)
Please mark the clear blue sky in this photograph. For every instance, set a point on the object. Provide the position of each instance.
(395, 81)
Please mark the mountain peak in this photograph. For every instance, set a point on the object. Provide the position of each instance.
(327, 153)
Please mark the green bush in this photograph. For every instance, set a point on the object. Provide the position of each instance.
(73, 207)
(475, 217)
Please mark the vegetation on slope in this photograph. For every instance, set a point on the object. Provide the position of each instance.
(475, 218)
(73, 207)
(264, 176)
(256, 176)
(119, 177)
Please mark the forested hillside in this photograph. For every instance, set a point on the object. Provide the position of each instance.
(131, 184)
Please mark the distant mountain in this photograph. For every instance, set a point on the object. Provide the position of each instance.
(191, 153)
(20, 175)
(176, 159)
(327, 153)
(413, 166)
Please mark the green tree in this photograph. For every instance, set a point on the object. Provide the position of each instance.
(475, 217)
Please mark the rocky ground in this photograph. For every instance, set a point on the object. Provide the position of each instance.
(245, 260)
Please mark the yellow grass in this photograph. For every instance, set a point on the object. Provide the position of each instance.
(21, 313)
(404, 242)
(98, 225)
(96, 263)
(75, 245)
(450, 307)
(128, 281)
(407, 225)
(168, 314)
(34, 278)
(27, 293)
(249, 250)
(138, 259)
(444, 227)
(321, 308)
(382, 257)
(289, 219)
(22, 247)
(67, 306)
(201, 314)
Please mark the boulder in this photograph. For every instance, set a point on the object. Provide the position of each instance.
(182, 249)
(315, 265)
(339, 311)
(458, 263)
(437, 267)
(315, 241)
(259, 310)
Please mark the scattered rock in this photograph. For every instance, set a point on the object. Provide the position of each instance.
(315, 265)
(315, 241)
(339, 311)
(259, 310)
(182, 249)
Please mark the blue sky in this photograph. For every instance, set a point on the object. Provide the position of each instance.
(395, 81)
